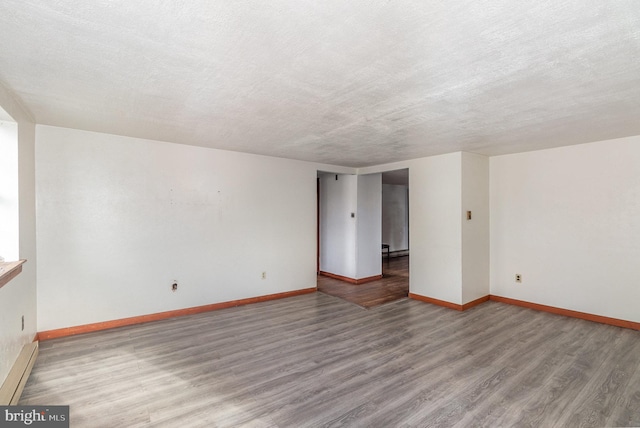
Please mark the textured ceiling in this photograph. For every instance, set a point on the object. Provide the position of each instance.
(351, 83)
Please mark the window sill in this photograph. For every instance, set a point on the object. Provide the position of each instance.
(9, 270)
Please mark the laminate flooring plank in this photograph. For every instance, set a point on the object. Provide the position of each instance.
(373, 383)
(534, 368)
(595, 403)
(625, 412)
(214, 406)
(513, 370)
(317, 360)
(443, 375)
(558, 394)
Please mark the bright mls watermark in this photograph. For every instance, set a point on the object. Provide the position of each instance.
(34, 416)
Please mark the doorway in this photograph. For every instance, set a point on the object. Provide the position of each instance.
(395, 215)
(394, 261)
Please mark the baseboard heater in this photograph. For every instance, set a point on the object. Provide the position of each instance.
(12, 387)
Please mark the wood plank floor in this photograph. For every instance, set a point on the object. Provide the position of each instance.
(393, 286)
(316, 360)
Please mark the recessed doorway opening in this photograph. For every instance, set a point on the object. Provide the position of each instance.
(393, 247)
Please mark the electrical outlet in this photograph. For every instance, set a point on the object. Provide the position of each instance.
(174, 286)
(23, 323)
(518, 277)
(264, 275)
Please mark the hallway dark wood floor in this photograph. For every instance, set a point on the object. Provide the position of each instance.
(393, 286)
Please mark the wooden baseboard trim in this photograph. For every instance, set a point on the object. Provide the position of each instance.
(351, 280)
(567, 312)
(435, 301)
(475, 302)
(449, 304)
(88, 328)
(13, 385)
(536, 306)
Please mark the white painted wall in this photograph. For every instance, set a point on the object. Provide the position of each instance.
(350, 246)
(475, 232)
(435, 267)
(395, 216)
(369, 226)
(449, 256)
(9, 200)
(338, 230)
(18, 297)
(120, 218)
(567, 219)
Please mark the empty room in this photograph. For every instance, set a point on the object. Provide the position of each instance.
(191, 191)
